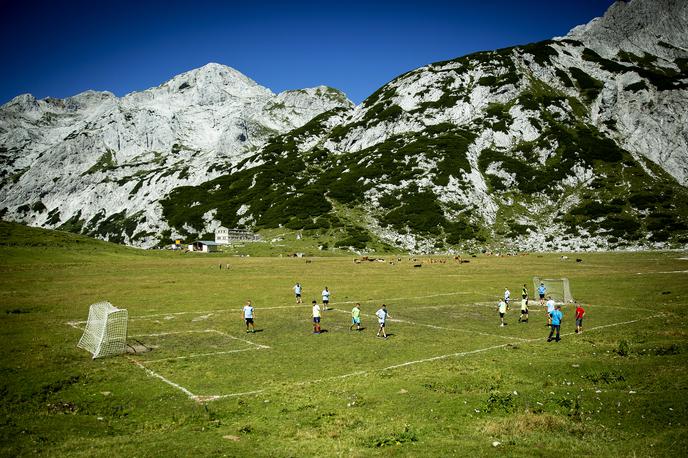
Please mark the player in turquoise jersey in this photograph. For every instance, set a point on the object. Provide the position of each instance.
(542, 291)
(557, 316)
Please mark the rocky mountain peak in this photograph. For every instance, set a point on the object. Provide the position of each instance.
(658, 27)
(22, 102)
(214, 83)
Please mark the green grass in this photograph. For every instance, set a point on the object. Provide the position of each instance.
(612, 391)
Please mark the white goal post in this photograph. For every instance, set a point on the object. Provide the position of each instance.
(106, 330)
(558, 288)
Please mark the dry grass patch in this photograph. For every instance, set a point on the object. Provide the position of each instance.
(526, 423)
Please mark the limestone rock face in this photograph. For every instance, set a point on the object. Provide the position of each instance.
(95, 162)
(655, 33)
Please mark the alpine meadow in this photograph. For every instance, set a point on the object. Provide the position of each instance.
(447, 381)
(487, 256)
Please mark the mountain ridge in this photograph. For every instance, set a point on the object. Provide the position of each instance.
(80, 162)
(550, 145)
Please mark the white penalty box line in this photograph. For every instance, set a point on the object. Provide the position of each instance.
(201, 331)
(189, 393)
(253, 345)
(152, 373)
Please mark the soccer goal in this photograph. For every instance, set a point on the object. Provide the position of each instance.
(558, 288)
(106, 330)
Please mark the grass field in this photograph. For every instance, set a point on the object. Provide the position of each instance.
(448, 381)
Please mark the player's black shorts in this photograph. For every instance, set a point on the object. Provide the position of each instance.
(316, 319)
(542, 296)
(298, 294)
(249, 320)
(524, 312)
(501, 315)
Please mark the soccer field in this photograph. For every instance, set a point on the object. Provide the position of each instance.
(423, 328)
(448, 381)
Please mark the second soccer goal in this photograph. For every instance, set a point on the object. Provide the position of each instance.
(558, 288)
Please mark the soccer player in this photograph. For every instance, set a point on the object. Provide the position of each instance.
(556, 323)
(382, 316)
(501, 307)
(524, 311)
(507, 296)
(316, 318)
(580, 312)
(541, 291)
(297, 292)
(550, 309)
(248, 316)
(325, 298)
(356, 317)
(524, 292)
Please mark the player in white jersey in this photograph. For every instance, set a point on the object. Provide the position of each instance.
(550, 308)
(248, 314)
(297, 292)
(502, 308)
(316, 318)
(382, 315)
(325, 298)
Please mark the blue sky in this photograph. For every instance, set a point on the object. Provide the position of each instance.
(61, 48)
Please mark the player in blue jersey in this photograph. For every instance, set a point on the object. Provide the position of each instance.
(542, 291)
(557, 316)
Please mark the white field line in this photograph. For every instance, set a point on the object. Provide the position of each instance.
(237, 338)
(169, 382)
(667, 272)
(160, 334)
(152, 373)
(420, 361)
(594, 306)
(432, 326)
(532, 307)
(304, 306)
(223, 396)
(535, 306)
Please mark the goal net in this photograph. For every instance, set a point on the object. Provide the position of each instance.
(106, 330)
(558, 288)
